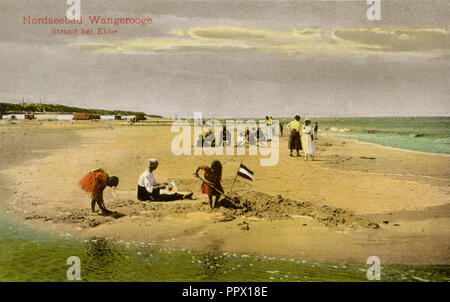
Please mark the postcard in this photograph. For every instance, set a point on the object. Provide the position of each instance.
(224, 141)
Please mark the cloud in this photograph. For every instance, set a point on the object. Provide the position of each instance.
(397, 41)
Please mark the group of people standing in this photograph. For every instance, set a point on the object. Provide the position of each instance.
(302, 137)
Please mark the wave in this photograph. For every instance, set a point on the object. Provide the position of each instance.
(387, 132)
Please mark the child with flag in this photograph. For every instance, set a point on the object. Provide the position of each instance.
(212, 183)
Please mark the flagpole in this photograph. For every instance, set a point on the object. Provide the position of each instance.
(235, 176)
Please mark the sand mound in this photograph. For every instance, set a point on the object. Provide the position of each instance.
(248, 204)
(261, 205)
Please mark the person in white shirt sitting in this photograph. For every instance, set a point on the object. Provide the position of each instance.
(150, 189)
(240, 140)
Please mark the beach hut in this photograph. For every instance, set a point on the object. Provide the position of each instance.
(14, 116)
(80, 116)
(53, 117)
(64, 117)
(85, 116)
(107, 117)
(45, 117)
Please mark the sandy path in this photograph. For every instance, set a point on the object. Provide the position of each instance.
(42, 163)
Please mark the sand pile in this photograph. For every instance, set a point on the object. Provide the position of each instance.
(248, 204)
(261, 205)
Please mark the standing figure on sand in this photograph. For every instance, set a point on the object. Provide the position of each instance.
(269, 128)
(272, 128)
(212, 184)
(316, 129)
(307, 139)
(294, 137)
(95, 183)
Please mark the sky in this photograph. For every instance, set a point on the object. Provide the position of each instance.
(233, 58)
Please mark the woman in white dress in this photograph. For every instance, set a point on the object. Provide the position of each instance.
(307, 142)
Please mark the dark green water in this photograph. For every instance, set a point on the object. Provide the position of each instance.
(426, 134)
(31, 255)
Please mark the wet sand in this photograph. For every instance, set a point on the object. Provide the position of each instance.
(356, 200)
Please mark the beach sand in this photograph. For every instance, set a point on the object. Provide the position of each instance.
(354, 201)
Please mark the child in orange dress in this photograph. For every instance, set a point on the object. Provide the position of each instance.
(95, 183)
(212, 186)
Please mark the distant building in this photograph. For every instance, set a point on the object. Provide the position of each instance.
(68, 117)
(53, 117)
(85, 116)
(64, 117)
(14, 116)
(45, 117)
(108, 117)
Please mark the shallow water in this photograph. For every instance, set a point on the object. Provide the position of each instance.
(31, 255)
(421, 144)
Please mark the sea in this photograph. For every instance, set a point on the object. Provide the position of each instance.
(424, 134)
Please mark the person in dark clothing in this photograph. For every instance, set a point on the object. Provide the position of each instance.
(316, 129)
(252, 137)
(200, 141)
(294, 137)
(260, 135)
(225, 136)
